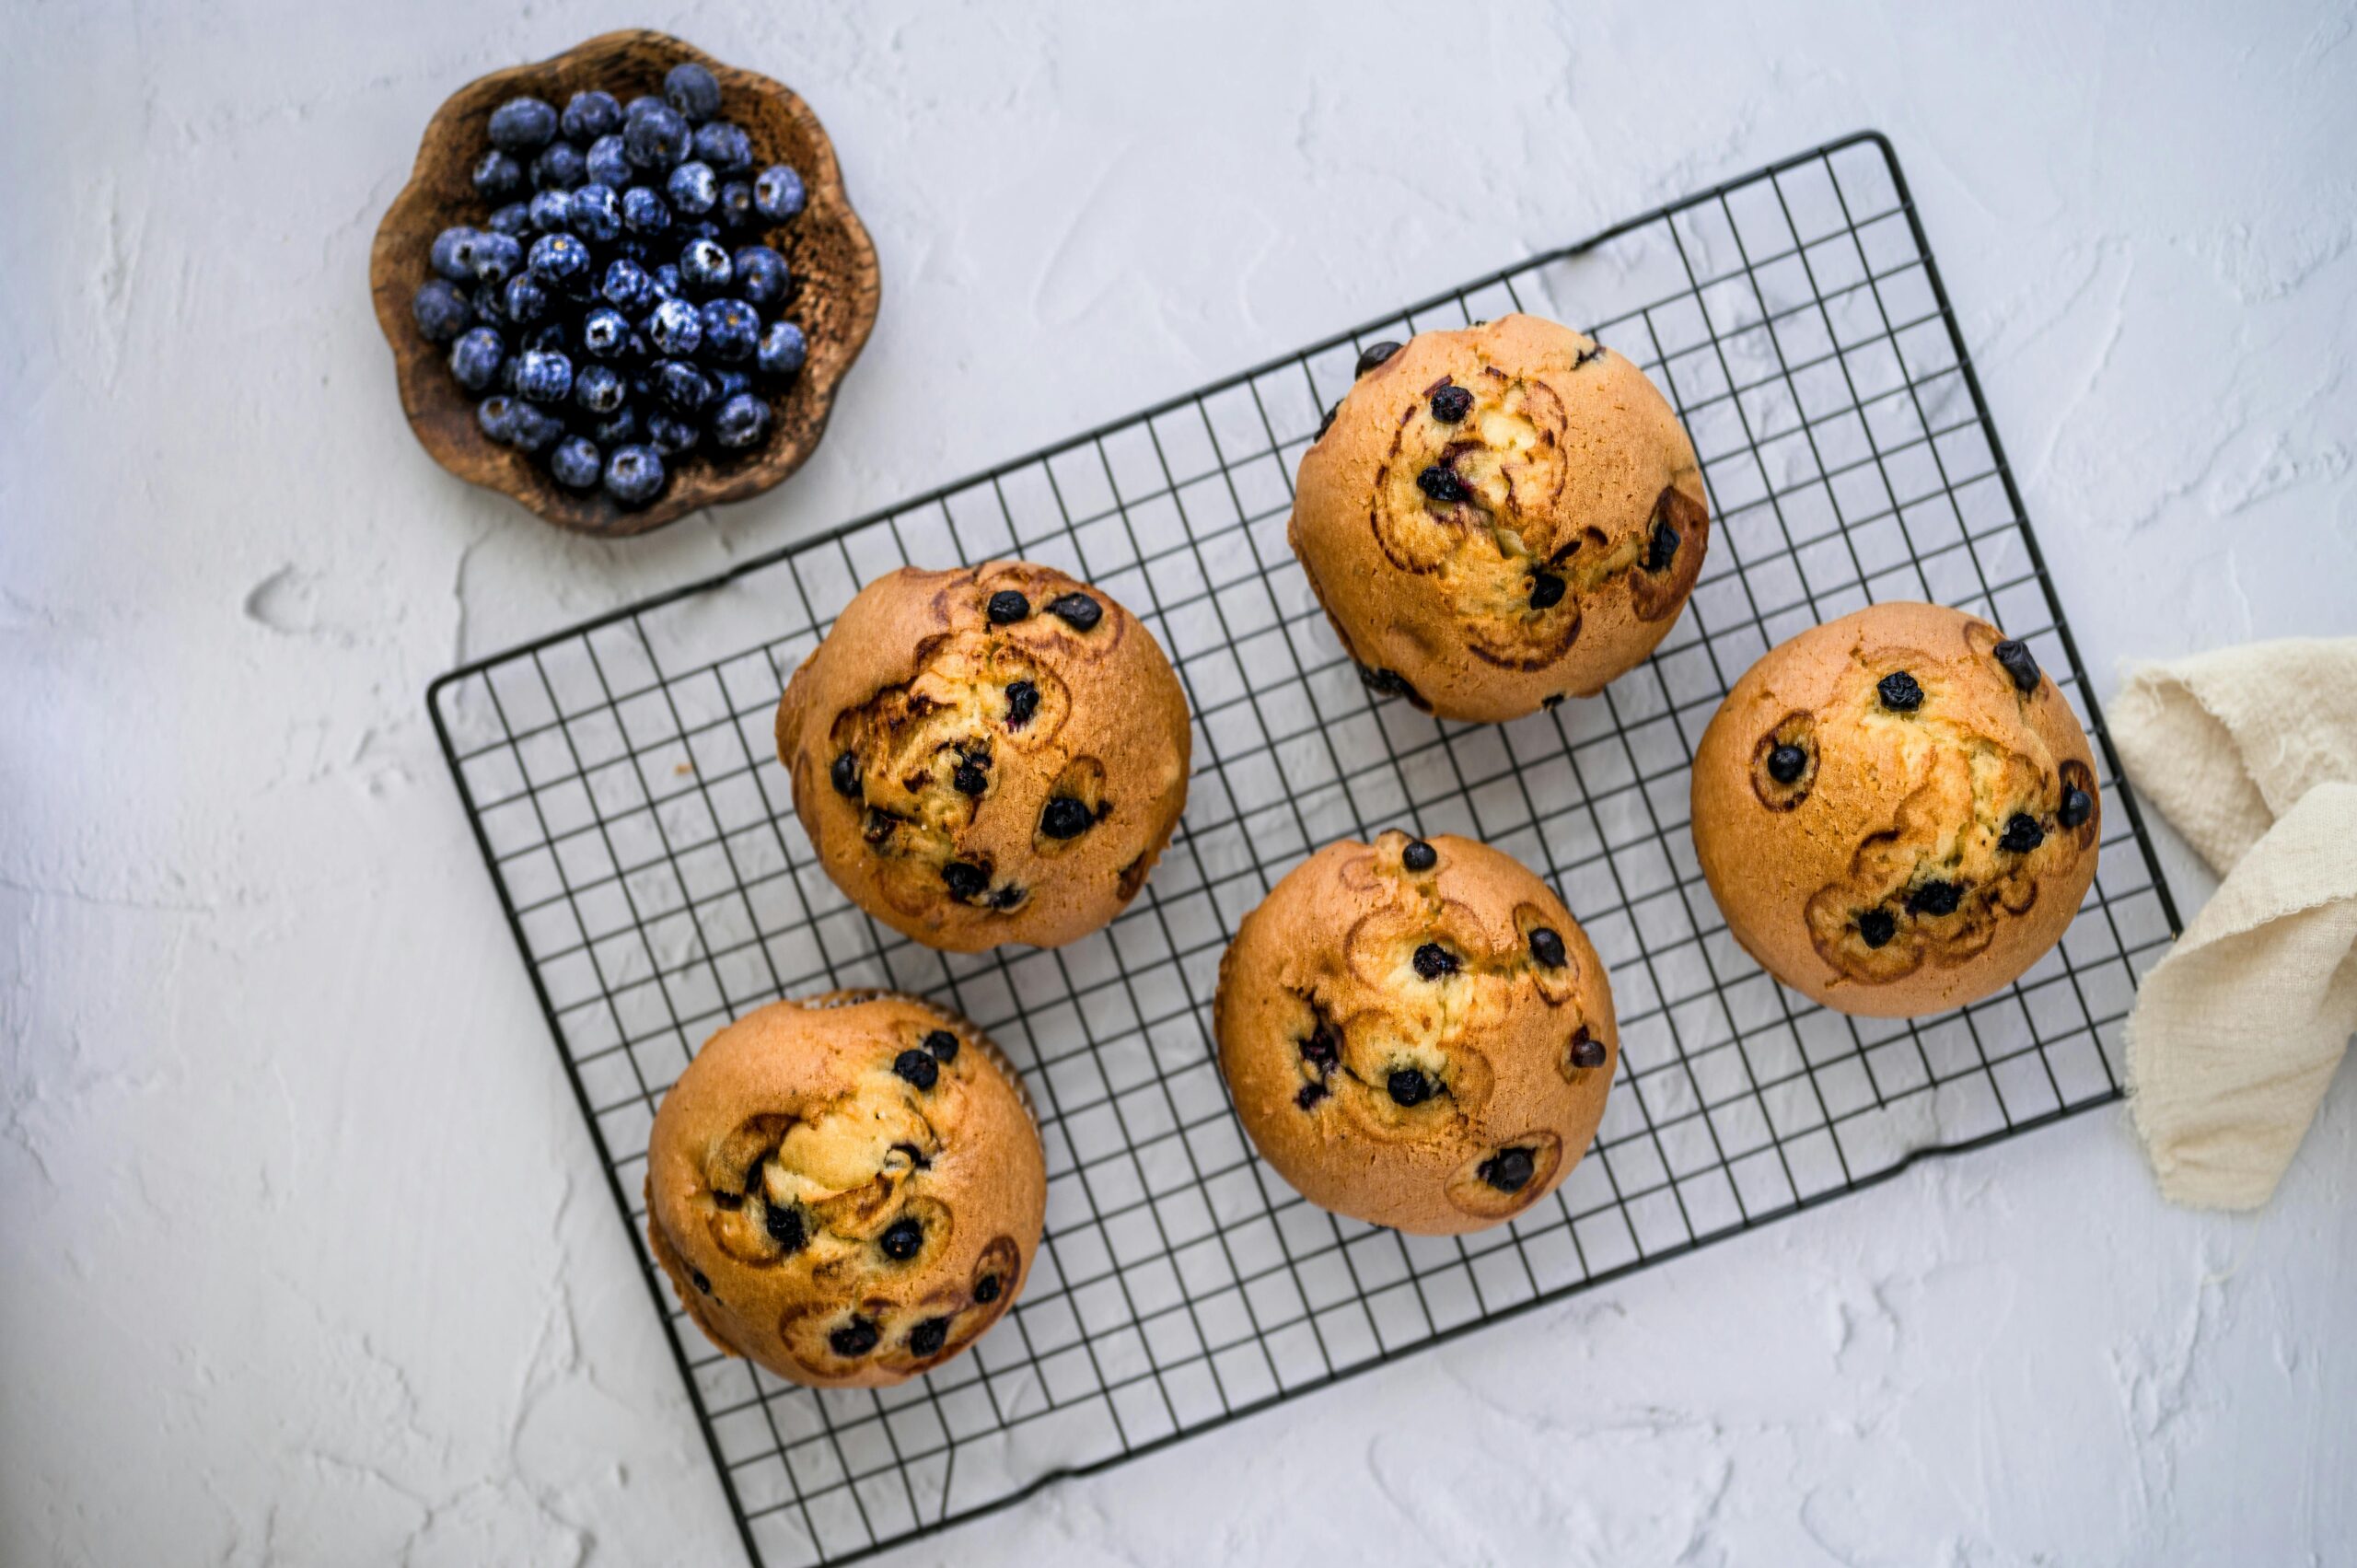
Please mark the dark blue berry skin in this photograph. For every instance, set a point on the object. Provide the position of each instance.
(619, 431)
(626, 287)
(496, 416)
(735, 207)
(657, 138)
(535, 428)
(515, 220)
(544, 377)
(559, 258)
(522, 125)
(644, 211)
(682, 386)
(727, 384)
(644, 103)
(590, 115)
(731, 330)
(598, 389)
(782, 349)
(693, 90)
(595, 213)
(524, 301)
(634, 475)
(606, 163)
(724, 145)
(475, 359)
(605, 332)
(440, 310)
(549, 337)
(670, 433)
(552, 212)
(675, 327)
(498, 257)
(777, 194)
(698, 228)
(694, 189)
(742, 421)
(498, 178)
(452, 255)
(559, 166)
(576, 464)
(665, 280)
(491, 303)
(705, 266)
(762, 277)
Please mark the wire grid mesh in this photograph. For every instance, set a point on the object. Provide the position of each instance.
(621, 779)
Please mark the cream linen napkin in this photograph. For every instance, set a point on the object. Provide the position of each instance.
(2251, 753)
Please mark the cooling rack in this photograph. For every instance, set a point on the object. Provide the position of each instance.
(622, 785)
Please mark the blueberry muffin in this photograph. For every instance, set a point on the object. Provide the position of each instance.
(1498, 518)
(1416, 1034)
(991, 755)
(847, 1189)
(1897, 811)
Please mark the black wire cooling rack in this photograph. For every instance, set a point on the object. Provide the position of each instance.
(622, 785)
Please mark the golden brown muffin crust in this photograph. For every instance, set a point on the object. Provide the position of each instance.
(1009, 780)
(1409, 1046)
(847, 1189)
(1931, 846)
(1500, 516)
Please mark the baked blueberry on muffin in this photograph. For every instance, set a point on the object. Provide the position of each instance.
(1416, 1034)
(1498, 518)
(847, 1189)
(1897, 811)
(991, 755)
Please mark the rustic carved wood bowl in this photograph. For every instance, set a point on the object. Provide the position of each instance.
(833, 262)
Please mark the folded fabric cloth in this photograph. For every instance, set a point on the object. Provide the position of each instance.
(2251, 753)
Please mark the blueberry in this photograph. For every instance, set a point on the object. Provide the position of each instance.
(549, 337)
(496, 417)
(928, 1337)
(626, 287)
(551, 211)
(1508, 1170)
(916, 1066)
(1441, 484)
(843, 774)
(523, 301)
(854, 1338)
(544, 377)
(2022, 834)
(619, 431)
(692, 189)
(490, 301)
(782, 349)
(1662, 547)
(902, 1239)
(1786, 763)
(1310, 1093)
(644, 211)
(440, 310)
(656, 139)
(777, 194)
(559, 166)
(1076, 610)
(1409, 1086)
(986, 1289)
(1587, 1050)
(589, 115)
(595, 213)
(475, 357)
(665, 281)
(1022, 702)
(1899, 693)
(727, 384)
(964, 879)
(1374, 355)
(762, 275)
(1876, 926)
(704, 265)
(741, 422)
(644, 103)
(1064, 818)
(606, 163)
(784, 1222)
(1451, 404)
(1546, 948)
(497, 177)
(513, 220)
(522, 124)
(2077, 806)
(941, 1045)
(1419, 856)
(575, 464)
(731, 330)
(498, 257)
(604, 333)
(559, 258)
(682, 386)
(703, 1282)
(1007, 606)
(634, 475)
(2019, 663)
(1432, 962)
(724, 145)
(675, 327)
(1935, 898)
(671, 434)
(598, 389)
(1323, 1049)
(1327, 423)
(735, 209)
(452, 254)
(535, 427)
(691, 89)
(1546, 590)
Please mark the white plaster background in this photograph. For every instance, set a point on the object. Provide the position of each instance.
(305, 1255)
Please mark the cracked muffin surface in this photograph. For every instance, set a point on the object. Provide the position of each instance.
(1416, 1033)
(1500, 516)
(996, 754)
(847, 1189)
(1897, 811)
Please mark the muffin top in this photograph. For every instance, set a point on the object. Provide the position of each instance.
(1416, 1033)
(847, 1189)
(1500, 516)
(1897, 810)
(991, 755)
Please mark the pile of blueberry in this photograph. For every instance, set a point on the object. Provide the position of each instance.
(619, 306)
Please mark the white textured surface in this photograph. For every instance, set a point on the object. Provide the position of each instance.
(305, 1256)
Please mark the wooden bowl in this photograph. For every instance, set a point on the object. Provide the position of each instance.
(833, 261)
